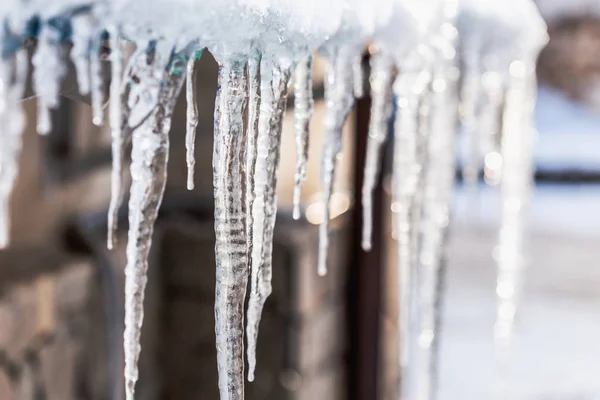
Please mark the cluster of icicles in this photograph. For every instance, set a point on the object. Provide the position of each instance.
(439, 64)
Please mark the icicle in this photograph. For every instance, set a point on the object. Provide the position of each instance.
(231, 244)
(273, 89)
(517, 171)
(122, 137)
(251, 148)
(148, 172)
(358, 76)
(192, 121)
(48, 74)
(381, 78)
(408, 89)
(97, 82)
(117, 135)
(303, 111)
(13, 75)
(437, 191)
(80, 53)
(339, 100)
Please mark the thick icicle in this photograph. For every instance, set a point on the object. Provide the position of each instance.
(358, 73)
(117, 135)
(303, 111)
(13, 75)
(192, 121)
(381, 79)
(273, 89)
(339, 100)
(517, 173)
(230, 219)
(148, 173)
(48, 61)
(97, 82)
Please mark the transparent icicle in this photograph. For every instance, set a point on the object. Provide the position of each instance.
(358, 78)
(117, 136)
(517, 171)
(148, 173)
(121, 138)
(409, 89)
(230, 219)
(381, 80)
(273, 89)
(13, 75)
(303, 111)
(251, 149)
(97, 82)
(339, 100)
(438, 182)
(49, 70)
(80, 53)
(192, 121)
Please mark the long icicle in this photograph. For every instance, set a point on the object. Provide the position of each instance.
(117, 133)
(517, 177)
(48, 73)
(230, 219)
(192, 120)
(339, 100)
(121, 138)
(381, 79)
(148, 172)
(274, 83)
(438, 184)
(408, 89)
(303, 111)
(13, 75)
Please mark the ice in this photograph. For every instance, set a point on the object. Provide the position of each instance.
(257, 44)
(192, 121)
(381, 80)
(511, 38)
(80, 53)
(161, 76)
(303, 110)
(359, 76)
(274, 83)
(339, 100)
(49, 70)
(341, 50)
(230, 219)
(13, 74)
(251, 144)
(118, 133)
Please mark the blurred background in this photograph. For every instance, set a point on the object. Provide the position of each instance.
(61, 300)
